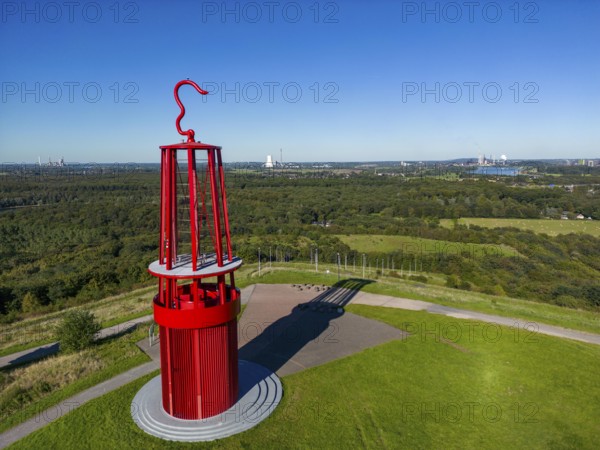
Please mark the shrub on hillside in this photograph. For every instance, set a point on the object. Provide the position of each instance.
(452, 281)
(419, 278)
(77, 330)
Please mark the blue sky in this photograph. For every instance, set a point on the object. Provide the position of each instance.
(324, 81)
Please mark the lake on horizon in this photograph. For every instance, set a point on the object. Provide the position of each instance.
(497, 170)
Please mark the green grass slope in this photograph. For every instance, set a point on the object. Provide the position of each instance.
(451, 384)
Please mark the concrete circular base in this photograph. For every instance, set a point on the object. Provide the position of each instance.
(260, 392)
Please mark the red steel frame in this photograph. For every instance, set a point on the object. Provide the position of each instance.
(198, 320)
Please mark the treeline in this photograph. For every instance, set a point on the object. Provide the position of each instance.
(366, 203)
(64, 242)
(75, 241)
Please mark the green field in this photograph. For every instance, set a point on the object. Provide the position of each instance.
(369, 243)
(453, 389)
(547, 226)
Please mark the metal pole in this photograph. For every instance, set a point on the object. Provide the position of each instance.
(317, 259)
(363, 265)
(259, 261)
(338, 264)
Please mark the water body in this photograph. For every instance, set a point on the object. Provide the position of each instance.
(497, 170)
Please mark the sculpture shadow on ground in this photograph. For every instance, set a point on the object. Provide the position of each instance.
(281, 340)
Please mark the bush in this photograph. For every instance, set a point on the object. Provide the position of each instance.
(30, 303)
(465, 285)
(419, 278)
(569, 301)
(452, 281)
(77, 330)
(494, 290)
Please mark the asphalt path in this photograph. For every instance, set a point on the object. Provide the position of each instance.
(42, 351)
(528, 328)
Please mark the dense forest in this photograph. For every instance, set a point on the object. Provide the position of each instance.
(69, 240)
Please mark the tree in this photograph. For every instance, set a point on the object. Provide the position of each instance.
(30, 303)
(452, 281)
(77, 330)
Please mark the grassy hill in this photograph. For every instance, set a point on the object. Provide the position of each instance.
(420, 392)
(408, 245)
(547, 226)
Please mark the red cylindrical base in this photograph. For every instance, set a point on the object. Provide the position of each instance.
(199, 370)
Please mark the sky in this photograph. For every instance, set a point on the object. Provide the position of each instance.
(312, 81)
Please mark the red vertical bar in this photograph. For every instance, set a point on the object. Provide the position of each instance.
(168, 295)
(174, 297)
(215, 206)
(161, 294)
(161, 246)
(167, 201)
(193, 206)
(222, 289)
(173, 212)
(169, 369)
(197, 371)
(161, 243)
(225, 211)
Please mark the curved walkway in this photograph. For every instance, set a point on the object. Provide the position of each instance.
(529, 327)
(35, 353)
(57, 411)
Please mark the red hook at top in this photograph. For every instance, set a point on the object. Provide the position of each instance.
(189, 133)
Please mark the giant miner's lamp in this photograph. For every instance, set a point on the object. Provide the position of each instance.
(198, 396)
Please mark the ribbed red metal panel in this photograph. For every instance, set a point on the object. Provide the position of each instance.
(205, 382)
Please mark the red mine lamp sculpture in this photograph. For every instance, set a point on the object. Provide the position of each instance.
(196, 307)
(199, 395)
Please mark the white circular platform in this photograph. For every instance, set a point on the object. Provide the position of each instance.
(260, 392)
(182, 268)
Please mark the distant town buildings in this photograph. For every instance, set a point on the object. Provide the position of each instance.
(483, 161)
(59, 163)
(582, 162)
(565, 216)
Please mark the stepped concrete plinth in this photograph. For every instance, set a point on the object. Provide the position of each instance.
(260, 392)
